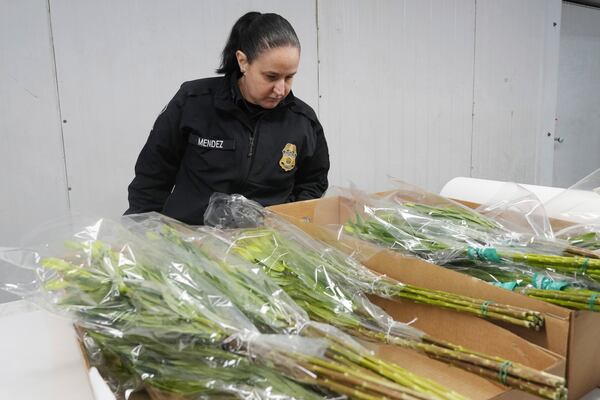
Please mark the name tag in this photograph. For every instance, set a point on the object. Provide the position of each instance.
(210, 143)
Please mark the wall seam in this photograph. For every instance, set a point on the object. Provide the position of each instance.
(471, 167)
(61, 121)
(318, 60)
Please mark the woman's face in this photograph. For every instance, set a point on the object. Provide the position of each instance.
(268, 79)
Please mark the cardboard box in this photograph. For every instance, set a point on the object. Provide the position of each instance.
(571, 334)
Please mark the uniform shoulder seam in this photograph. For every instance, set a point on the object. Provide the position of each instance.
(302, 108)
(201, 86)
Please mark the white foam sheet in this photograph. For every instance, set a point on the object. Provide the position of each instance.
(578, 206)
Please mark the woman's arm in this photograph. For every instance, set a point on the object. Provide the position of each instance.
(311, 177)
(157, 165)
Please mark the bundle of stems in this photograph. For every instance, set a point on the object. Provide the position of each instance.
(560, 257)
(386, 228)
(584, 266)
(472, 253)
(575, 299)
(497, 311)
(152, 307)
(572, 297)
(303, 267)
(324, 291)
(145, 327)
(458, 214)
(581, 243)
(588, 240)
(199, 371)
(269, 308)
(482, 308)
(584, 237)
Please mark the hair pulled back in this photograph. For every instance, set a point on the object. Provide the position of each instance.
(254, 33)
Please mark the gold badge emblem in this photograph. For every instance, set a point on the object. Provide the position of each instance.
(288, 160)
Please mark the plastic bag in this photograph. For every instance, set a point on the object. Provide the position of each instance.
(258, 297)
(322, 281)
(579, 203)
(518, 210)
(585, 236)
(313, 274)
(417, 223)
(143, 316)
(268, 307)
(443, 232)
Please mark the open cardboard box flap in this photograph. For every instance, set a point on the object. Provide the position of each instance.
(571, 334)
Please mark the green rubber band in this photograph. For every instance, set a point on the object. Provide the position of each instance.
(490, 254)
(546, 283)
(584, 265)
(540, 281)
(484, 307)
(592, 301)
(558, 285)
(471, 252)
(503, 373)
(506, 285)
(483, 253)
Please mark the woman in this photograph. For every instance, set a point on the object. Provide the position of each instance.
(243, 132)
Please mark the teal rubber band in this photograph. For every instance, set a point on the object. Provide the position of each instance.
(545, 283)
(503, 373)
(483, 253)
(592, 301)
(558, 285)
(506, 285)
(584, 265)
(484, 307)
(541, 282)
(471, 252)
(490, 254)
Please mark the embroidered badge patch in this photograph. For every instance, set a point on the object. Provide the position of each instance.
(288, 160)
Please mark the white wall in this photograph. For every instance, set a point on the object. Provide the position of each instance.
(396, 89)
(426, 90)
(119, 63)
(398, 81)
(578, 108)
(32, 172)
(516, 57)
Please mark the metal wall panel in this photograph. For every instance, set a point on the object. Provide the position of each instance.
(119, 62)
(578, 106)
(516, 53)
(396, 89)
(32, 172)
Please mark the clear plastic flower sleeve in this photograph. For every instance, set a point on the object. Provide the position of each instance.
(315, 275)
(142, 316)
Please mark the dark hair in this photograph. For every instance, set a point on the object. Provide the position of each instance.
(254, 33)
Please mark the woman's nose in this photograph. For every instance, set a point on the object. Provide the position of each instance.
(279, 88)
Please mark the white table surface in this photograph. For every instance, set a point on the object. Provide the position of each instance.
(41, 357)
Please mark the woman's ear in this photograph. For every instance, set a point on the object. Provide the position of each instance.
(242, 61)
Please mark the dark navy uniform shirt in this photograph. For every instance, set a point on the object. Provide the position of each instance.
(208, 139)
